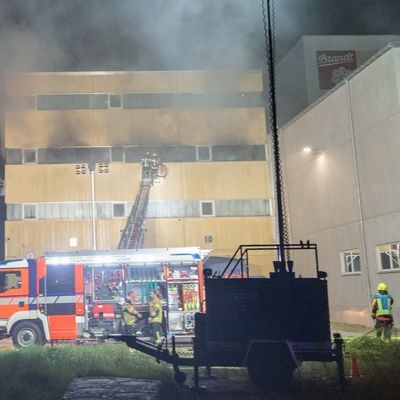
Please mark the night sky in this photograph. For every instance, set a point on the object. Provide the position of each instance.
(46, 35)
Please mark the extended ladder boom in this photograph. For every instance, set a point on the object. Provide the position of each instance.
(132, 236)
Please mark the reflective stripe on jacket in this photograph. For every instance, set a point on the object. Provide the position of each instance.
(382, 304)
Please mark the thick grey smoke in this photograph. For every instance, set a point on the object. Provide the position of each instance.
(171, 34)
(129, 34)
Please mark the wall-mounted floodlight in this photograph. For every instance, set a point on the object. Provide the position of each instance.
(309, 150)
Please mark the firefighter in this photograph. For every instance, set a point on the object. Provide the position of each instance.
(156, 316)
(131, 315)
(382, 311)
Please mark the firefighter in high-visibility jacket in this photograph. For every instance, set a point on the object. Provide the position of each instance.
(131, 315)
(382, 311)
(156, 316)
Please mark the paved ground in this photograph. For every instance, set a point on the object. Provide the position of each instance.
(113, 389)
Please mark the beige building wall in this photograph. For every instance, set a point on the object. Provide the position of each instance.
(345, 195)
(58, 184)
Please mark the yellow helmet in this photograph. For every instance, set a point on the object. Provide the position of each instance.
(382, 286)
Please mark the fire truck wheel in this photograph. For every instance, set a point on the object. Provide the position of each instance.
(27, 334)
(180, 377)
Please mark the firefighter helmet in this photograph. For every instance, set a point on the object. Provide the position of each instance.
(382, 286)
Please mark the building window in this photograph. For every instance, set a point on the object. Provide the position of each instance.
(118, 210)
(351, 261)
(388, 256)
(29, 156)
(30, 211)
(115, 101)
(207, 208)
(117, 154)
(203, 153)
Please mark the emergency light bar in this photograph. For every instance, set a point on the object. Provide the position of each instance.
(185, 255)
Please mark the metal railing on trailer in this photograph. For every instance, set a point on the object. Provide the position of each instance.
(241, 257)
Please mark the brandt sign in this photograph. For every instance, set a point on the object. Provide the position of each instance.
(334, 66)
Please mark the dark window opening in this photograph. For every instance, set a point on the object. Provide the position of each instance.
(203, 153)
(207, 209)
(118, 210)
(29, 156)
(60, 279)
(115, 101)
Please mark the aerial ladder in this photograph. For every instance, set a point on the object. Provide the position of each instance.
(132, 237)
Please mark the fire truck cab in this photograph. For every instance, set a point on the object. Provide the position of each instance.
(80, 295)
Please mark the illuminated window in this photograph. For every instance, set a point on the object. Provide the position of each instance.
(388, 256)
(207, 208)
(351, 261)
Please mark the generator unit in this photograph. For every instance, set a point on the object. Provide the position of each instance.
(268, 325)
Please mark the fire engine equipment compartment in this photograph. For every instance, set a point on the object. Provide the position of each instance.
(79, 295)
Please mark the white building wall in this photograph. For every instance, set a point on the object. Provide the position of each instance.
(347, 196)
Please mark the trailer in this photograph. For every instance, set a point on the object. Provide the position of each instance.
(268, 325)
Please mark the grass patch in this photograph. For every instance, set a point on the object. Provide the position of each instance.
(45, 372)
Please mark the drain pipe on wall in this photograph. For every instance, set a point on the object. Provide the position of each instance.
(360, 208)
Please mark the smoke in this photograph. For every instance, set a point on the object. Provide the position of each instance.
(49, 35)
(54, 35)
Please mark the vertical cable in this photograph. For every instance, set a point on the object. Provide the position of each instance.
(281, 214)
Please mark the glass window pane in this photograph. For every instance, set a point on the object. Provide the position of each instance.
(118, 210)
(10, 280)
(385, 261)
(30, 211)
(115, 101)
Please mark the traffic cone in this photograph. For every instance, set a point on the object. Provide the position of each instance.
(354, 370)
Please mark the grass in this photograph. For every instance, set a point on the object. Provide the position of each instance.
(45, 372)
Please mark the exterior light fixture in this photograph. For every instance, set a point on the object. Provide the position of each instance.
(309, 150)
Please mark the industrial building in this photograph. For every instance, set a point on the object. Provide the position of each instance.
(207, 127)
(343, 192)
(315, 64)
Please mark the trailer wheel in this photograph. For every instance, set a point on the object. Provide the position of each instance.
(180, 377)
(271, 366)
(27, 334)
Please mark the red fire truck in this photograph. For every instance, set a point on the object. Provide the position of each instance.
(74, 295)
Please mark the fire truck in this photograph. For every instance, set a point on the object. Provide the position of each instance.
(79, 295)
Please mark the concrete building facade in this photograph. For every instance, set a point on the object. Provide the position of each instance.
(344, 194)
(315, 64)
(207, 127)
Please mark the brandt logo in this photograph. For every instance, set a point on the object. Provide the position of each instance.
(325, 60)
(334, 66)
